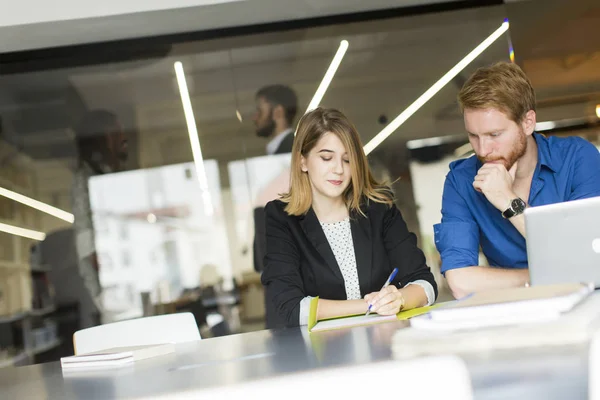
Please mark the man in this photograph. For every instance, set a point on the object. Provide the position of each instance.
(276, 107)
(514, 168)
(102, 148)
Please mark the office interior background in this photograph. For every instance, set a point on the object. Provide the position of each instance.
(174, 230)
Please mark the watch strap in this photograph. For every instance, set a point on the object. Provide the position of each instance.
(511, 211)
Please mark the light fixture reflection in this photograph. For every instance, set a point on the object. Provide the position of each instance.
(26, 233)
(327, 78)
(193, 134)
(425, 97)
(38, 205)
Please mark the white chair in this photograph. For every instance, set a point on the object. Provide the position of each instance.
(169, 328)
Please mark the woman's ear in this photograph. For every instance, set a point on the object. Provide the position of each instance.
(303, 166)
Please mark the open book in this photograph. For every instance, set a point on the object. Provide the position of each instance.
(115, 357)
(356, 320)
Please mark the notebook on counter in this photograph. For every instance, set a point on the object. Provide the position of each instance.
(116, 357)
(575, 327)
(506, 306)
(357, 320)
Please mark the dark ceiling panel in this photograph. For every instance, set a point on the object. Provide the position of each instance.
(557, 44)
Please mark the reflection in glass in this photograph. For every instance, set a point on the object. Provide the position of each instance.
(153, 208)
(169, 254)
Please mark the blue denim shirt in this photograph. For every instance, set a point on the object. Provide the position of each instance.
(567, 169)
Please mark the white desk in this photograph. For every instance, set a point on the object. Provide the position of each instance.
(559, 373)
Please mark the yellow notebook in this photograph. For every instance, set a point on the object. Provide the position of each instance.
(357, 320)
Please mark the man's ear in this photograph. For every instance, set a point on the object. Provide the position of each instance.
(529, 121)
(278, 113)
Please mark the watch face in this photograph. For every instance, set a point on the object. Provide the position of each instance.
(518, 205)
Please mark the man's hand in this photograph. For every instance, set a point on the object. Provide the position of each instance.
(495, 182)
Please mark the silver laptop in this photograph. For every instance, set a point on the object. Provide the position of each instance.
(563, 242)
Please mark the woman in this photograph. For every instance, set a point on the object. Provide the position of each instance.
(337, 233)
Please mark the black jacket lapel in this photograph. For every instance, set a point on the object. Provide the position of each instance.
(312, 228)
(363, 247)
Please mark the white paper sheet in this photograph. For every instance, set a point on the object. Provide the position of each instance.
(352, 321)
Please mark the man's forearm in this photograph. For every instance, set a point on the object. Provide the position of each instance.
(518, 222)
(464, 281)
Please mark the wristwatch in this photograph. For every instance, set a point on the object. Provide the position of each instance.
(517, 206)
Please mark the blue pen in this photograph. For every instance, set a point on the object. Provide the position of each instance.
(386, 284)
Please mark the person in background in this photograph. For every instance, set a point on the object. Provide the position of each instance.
(337, 233)
(102, 148)
(276, 107)
(514, 168)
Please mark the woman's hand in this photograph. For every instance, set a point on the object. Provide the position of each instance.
(387, 301)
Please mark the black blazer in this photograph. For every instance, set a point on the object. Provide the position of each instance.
(259, 245)
(299, 261)
(286, 144)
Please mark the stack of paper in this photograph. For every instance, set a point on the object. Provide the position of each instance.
(572, 328)
(116, 357)
(505, 307)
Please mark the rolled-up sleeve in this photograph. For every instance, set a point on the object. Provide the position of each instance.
(458, 244)
(457, 236)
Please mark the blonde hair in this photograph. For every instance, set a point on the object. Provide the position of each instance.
(502, 86)
(311, 127)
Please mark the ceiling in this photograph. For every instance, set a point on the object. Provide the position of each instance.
(390, 62)
(556, 42)
(388, 65)
(31, 24)
(25, 12)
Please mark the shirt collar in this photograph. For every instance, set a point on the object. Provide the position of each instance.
(544, 156)
(95, 168)
(276, 141)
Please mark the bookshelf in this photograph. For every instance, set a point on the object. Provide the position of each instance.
(25, 332)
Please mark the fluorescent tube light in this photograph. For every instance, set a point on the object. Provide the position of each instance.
(193, 134)
(545, 126)
(425, 97)
(38, 205)
(335, 63)
(27, 233)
